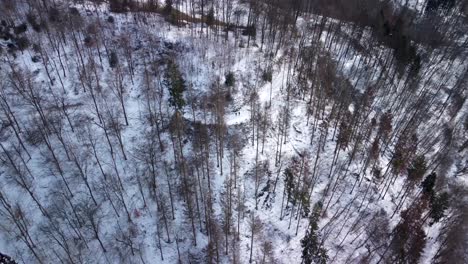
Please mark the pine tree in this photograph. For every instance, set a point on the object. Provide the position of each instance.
(410, 239)
(4, 259)
(289, 181)
(176, 86)
(210, 18)
(439, 204)
(405, 147)
(267, 75)
(428, 184)
(118, 6)
(230, 79)
(344, 132)
(312, 250)
(385, 125)
(113, 59)
(168, 7)
(417, 169)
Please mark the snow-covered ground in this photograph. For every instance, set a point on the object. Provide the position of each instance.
(352, 204)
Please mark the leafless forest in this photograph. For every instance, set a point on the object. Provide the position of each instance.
(233, 131)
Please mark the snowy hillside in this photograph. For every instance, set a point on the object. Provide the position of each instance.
(225, 131)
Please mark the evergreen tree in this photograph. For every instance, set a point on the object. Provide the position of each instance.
(410, 239)
(210, 18)
(289, 181)
(417, 169)
(20, 29)
(230, 79)
(428, 184)
(312, 250)
(152, 4)
(267, 75)
(23, 43)
(435, 5)
(168, 7)
(405, 147)
(439, 204)
(385, 125)
(4, 259)
(117, 6)
(344, 132)
(113, 59)
(176, 85)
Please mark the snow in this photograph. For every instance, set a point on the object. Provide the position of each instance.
(203, 61)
